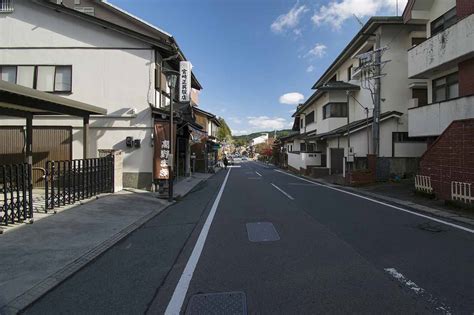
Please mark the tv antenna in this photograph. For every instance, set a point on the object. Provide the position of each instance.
(358, 20)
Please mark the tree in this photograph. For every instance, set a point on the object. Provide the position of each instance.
(224, 133)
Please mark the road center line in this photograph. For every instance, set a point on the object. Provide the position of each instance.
(283, 192)
(382, 203)
(179, 294)
(258, 174)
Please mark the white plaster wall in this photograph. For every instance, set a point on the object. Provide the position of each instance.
(109, 70)
(295, 161)
(432, 120)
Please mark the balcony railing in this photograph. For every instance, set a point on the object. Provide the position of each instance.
(6, 6)
(443, 50)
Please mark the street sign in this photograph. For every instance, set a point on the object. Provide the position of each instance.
(185, 81)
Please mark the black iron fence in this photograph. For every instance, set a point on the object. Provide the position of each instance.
(67, 182)
(16, 197)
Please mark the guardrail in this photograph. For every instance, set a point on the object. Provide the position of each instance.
(16, 199)
(67, 182)
(6, 6)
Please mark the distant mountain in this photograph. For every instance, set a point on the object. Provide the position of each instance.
(244, 139)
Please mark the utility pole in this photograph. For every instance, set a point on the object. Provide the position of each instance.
(377, 96)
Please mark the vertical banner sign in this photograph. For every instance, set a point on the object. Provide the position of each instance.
(162, 155)
(185, 81)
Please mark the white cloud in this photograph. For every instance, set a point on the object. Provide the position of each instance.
(336, 12)
(289, 20)
(266, 123)
(293, 98)
(235, 120)
(239, 132)
(310, 69)
(319, 50)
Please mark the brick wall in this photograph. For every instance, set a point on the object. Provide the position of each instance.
(450, 158)
(466, 76)
(464, 8)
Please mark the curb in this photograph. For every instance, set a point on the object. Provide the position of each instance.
(49, 283)
(37, 291)
(407, 204)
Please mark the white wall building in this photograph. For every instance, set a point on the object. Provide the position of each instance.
(445, 59)
(341, 102)
(263, 138)
(59, 50)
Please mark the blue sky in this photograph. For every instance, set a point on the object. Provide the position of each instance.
(256, 59)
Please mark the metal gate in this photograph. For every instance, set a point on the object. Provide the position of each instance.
(49, 143)
(337, 161)
(69, 181)
(16, 199)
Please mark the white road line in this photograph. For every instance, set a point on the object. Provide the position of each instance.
(283, 192)
(179, 294)
(418, 291)
(382, 203)
(258, 174)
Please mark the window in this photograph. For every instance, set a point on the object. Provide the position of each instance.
(403, 137)
(446, 88)
(310, 118)
(444, 21)
(349, 73)
(8, 73)
(301, 122)
(421, 95)
(310, 147)
(335, 110)
(302, 147)
(62, 79)
(43, 78)
(6, 6)
(26, 76)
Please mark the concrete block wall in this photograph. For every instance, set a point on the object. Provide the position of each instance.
(450, 158)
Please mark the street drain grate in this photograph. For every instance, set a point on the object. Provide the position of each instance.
(262, 232)
(218, 303)
(431, 227)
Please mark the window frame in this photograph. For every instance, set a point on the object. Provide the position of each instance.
(449, 82)
(445, 23)
(327, 115)
(310, 118)
(35, 75)
(10, 66)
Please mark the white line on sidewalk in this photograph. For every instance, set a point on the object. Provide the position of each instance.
(382, 203)
(258, 174)
(283, 192)
(179, 294)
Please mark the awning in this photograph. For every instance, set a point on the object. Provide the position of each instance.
(21, 101)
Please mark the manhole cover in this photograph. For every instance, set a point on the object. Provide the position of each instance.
(262, 232)
(218, 303)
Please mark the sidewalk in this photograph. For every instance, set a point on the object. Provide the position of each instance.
(37, 257)
(402, 193)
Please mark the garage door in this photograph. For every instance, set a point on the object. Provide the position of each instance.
(49, 143)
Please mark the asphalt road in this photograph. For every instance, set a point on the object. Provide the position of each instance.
(335, 253)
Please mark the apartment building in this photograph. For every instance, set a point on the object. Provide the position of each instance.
(444, 58)
(96, 53)
(335, 124)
